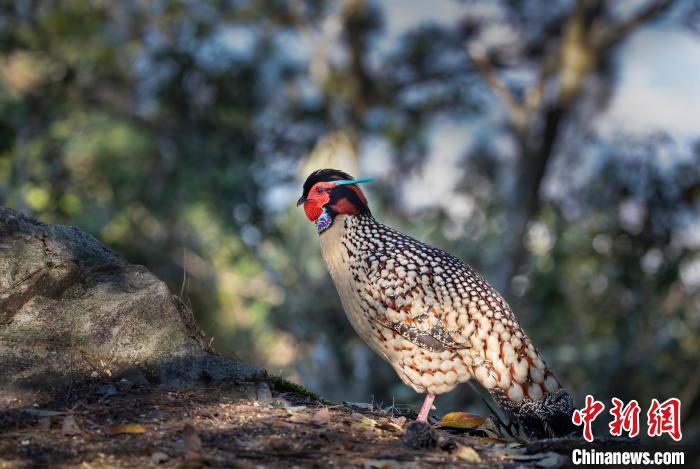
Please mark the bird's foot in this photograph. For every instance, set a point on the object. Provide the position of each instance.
(426, 408)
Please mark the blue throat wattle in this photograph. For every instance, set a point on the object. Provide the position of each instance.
(323, 222)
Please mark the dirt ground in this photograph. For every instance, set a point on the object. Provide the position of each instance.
(123, 424)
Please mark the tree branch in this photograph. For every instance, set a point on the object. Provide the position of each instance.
(620, 31)
(516, 111)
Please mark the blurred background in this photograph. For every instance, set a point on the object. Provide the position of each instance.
(554, 145)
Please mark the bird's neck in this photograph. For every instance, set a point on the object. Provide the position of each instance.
(330, 221)
(340, 252)
(334, 229)
(334, 250)
(338, 237)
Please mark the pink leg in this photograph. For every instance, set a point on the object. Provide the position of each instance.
(427, 406)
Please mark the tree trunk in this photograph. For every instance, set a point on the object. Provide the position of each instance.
(525, 202)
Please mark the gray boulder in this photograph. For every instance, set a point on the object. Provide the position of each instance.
(71, 309)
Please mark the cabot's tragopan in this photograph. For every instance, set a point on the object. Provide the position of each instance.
(428, 313)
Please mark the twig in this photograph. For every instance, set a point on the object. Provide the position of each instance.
(184, 273)
(622, 29)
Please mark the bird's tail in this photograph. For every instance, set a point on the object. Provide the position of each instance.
(547, 417)
(525, 389)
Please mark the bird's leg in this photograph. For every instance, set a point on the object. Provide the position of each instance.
(427, 406)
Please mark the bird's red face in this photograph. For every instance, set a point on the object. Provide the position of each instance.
(329, 192)
(318, 197)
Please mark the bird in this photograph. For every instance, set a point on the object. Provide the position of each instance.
(429, 314)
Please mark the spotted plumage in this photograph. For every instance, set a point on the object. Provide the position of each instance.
(430, 315)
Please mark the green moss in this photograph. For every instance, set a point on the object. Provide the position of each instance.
(280, 384)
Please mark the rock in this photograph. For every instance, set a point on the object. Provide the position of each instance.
(71, 308)
(263, 392)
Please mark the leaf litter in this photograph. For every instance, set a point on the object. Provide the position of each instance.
(216, 426)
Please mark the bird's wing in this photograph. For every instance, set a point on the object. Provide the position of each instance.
(407, 301)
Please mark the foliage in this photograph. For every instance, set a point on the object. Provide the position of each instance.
(179, 132)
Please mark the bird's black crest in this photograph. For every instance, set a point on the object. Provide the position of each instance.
(323, 175)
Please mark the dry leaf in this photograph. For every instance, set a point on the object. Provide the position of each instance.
(191, 438)
(131, 428)
(70, 426)
(295, 409)
(466, 453)
(321, 417)
(363, 419)
(461, 420)
(389, 426)
(381, 464)
(401, 421)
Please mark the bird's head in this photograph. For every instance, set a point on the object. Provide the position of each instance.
(330, 192)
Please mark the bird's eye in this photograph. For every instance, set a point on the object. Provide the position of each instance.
(319, 189)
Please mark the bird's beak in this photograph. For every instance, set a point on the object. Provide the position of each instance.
(343, 182)
(301, 200)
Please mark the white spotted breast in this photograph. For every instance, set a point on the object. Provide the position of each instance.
(435, 301)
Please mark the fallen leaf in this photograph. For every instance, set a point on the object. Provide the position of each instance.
(321, 417)
(401, 421)
(70, 426)
(295, 409)
(381, 464)
(467, 453)
(389, 426)
(363, 419)
(191, 438)
(461, 420)
(118, 428)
